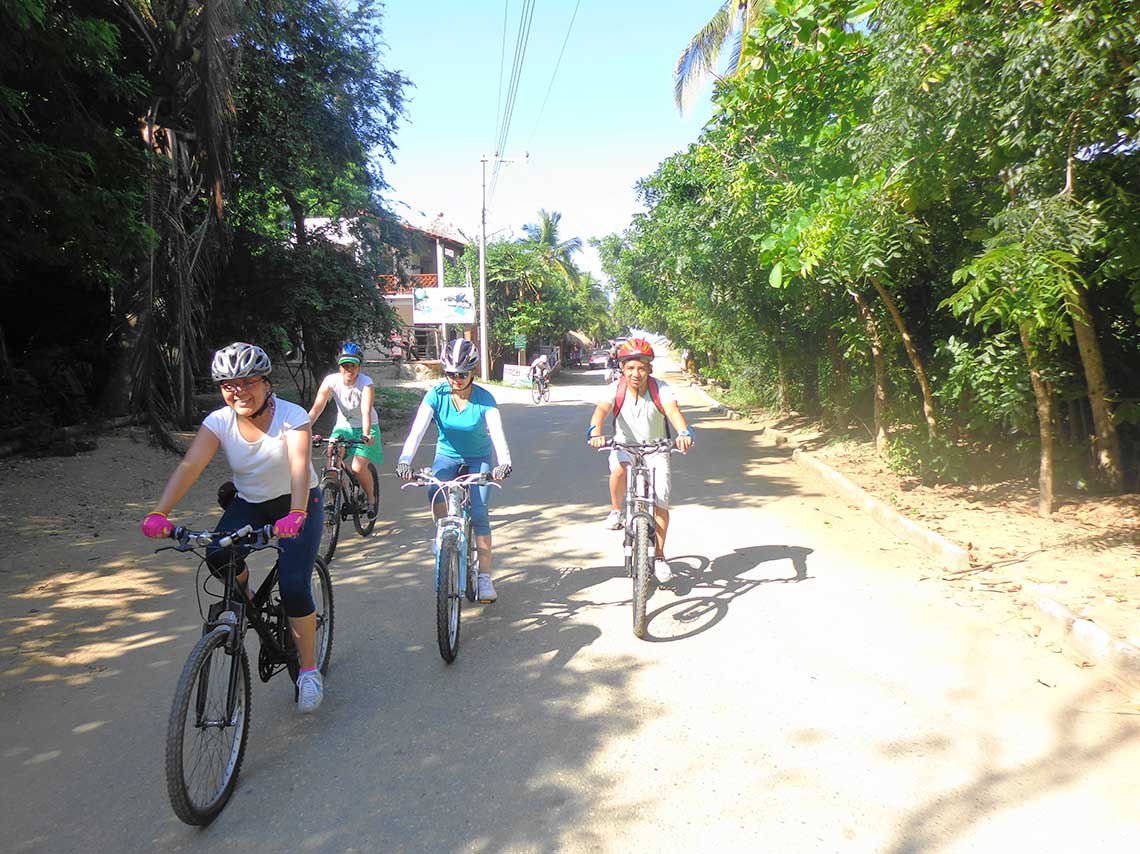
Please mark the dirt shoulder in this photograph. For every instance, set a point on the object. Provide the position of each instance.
(1086, 556)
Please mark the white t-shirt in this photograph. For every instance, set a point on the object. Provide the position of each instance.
(261, 468)
(639, 420)
(347, 398)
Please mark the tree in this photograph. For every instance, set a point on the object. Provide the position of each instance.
(555, 253)
(730, 25)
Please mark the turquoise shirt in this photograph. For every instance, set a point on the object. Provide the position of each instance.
(462, 435)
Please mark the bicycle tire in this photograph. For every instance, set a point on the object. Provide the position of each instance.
(208, 652)
(640, 574)
(360, 519)
(448, 606)
(546, 393)
(331, 500)
(472, 591)
(535, 391)
(326, 616)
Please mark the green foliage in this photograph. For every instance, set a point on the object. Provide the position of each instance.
(932, 460)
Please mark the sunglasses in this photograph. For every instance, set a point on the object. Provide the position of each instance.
(457, 375)
(240, 385)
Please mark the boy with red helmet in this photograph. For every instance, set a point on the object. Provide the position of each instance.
(643, 408)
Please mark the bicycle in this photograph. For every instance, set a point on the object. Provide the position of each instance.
(208, 728)
(457, 558)
(343, 496)
(540, 389)
(639, 520)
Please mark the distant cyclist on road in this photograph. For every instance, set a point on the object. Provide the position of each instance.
(469, 425)
(356, 417)
(540, 369)
(268, 445)
(643, 408)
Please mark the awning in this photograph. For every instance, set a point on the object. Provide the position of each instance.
(581, 340)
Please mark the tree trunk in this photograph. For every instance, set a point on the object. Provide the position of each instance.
(912, 354)
(1106, 447)
(298, 212)
(839, 394)
(880, 364)
(784, 398)
(6, 376)
(1044, 398)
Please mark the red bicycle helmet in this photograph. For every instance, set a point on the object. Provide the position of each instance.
(635, 348)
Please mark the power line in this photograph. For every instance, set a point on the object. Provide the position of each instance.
(557, 64)
(526, 17)
(502, 61)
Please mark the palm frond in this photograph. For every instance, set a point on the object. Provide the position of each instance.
(698, 60)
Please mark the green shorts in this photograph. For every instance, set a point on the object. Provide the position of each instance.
(373, 453)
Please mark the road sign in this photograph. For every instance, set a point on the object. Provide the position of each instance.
(520, 342)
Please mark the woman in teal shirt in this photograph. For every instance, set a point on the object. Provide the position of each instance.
(467, 418)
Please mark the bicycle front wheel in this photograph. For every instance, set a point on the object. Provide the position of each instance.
(535, 392)
(208, 729)
(640, 574)
(323, 597)
(472, 590)
(331, 501)
(447, 605)
(546, 392)
(360, 518)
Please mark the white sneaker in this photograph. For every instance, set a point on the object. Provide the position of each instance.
(487, 593)
(310, 691)
(662, 571)
(613, 520)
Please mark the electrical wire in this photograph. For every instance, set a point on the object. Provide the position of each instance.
(502, 62)
(557, 64)
(526, 18)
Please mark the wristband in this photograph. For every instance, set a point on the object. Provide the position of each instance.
(688, 431)
(302, 512)
(590, 430)
(157, 513)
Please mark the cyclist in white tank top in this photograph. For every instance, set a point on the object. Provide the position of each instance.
(356, 417)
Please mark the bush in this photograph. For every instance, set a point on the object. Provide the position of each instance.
(937, 460)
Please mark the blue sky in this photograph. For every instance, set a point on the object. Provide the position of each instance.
(610, 118)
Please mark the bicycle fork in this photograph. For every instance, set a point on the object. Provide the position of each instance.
(639, 491)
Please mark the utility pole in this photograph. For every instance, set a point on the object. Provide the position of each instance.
(484, 341)
(484, 370)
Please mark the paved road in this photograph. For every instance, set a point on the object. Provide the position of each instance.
(800, 691)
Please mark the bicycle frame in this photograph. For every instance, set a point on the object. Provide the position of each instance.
(453, 524)
(335, 468)
(231, 610)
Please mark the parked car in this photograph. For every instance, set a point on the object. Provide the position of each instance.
(598, 358)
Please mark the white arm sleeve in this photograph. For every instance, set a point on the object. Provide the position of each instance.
(498, 439)
(416, 434)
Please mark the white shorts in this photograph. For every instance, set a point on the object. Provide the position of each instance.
(658, 464)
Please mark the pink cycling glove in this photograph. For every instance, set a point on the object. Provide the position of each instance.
(156, 526)
(291, 525)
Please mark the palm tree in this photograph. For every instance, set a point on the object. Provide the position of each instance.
(732, 22)
(543, 236)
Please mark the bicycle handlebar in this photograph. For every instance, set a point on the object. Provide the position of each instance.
(258, 538)
(328, 440)
(654, 447)
(425, 477)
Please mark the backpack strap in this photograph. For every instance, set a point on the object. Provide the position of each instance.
(654, 393)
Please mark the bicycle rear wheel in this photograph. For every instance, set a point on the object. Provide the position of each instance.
(331, 501)
(360, 518)
(640, 574)
(205, 741)
(447, 599)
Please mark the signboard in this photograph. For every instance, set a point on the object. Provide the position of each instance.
(443, 305)
(516, 375)
(520, 342)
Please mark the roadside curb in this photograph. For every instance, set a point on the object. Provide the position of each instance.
(1092, 642)
(1084, 637)
(949, 556)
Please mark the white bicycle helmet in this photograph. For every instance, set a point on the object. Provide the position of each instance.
(240, 360)
(460, 356)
